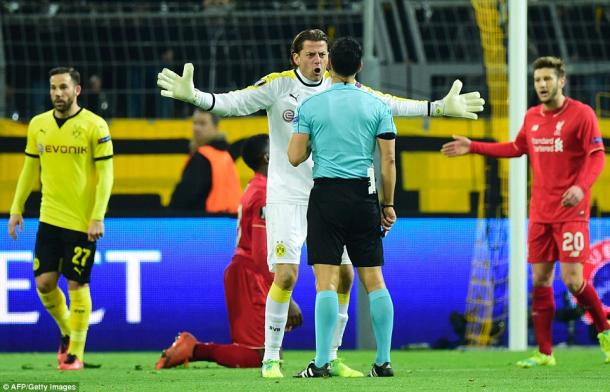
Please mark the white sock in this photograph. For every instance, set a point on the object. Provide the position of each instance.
(339, 331)
(276, 315)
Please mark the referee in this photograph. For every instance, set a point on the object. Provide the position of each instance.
(341, 127)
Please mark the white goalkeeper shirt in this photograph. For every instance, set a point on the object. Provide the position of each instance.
(280, 94)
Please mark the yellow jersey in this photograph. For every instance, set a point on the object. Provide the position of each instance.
(67, 162)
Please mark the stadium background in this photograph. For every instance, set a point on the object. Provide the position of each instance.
(451, 233)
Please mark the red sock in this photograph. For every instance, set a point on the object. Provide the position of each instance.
(543, 311)
(229, 355)
(588, 298)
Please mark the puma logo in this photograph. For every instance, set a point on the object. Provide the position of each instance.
(296, 97)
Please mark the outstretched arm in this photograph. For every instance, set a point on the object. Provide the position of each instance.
(462, 146)
(235, 103)
(453, 104)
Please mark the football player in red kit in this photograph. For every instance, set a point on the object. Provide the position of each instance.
(562, 140)
(246, 280)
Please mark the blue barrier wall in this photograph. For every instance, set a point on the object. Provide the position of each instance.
(155, 277)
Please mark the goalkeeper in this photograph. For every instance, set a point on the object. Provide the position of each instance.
(288, 187)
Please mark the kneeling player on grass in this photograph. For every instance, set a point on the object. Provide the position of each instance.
(247, 281)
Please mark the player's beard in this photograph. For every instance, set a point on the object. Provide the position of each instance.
(63, 105)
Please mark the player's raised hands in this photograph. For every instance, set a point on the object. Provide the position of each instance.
(459, 146)
(15, 224)
(176, 86)
(458, 105)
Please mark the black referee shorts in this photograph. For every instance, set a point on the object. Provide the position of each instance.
(63, 250)
(341, 212)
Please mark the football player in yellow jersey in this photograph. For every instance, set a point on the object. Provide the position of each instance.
(72, 148)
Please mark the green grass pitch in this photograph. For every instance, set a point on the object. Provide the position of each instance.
(578, 369)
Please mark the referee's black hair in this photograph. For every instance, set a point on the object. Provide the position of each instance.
(254, 149)
(345, 56)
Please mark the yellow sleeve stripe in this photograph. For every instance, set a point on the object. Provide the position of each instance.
(380, 94)
(271, 77)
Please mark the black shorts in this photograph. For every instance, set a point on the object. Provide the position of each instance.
(341, 212)
(63, 250)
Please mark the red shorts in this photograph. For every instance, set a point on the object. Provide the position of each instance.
(567, 242)
(246, 294)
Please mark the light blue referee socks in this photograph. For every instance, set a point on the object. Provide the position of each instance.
(327, 309)
(382, 316)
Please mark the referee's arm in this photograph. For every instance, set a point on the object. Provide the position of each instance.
(388, 180)
(298, 148)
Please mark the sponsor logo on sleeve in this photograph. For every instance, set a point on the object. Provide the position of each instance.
(104, 139)
(597, 140)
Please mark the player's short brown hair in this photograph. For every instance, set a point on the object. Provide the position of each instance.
(74, 74)
(551, 62)
(306, 35)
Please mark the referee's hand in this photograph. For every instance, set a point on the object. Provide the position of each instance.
(96, 230)
(388, 218)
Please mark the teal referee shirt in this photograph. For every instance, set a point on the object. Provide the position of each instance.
(343, 123)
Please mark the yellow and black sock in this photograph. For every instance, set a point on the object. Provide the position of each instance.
(80, 310)
(55, 303)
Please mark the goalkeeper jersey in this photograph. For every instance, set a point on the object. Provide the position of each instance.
(67, 161)
(280, 94)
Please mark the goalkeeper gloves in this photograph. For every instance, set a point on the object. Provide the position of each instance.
(458, 105)
(182, 88)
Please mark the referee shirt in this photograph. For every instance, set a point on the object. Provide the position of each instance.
(343, 123)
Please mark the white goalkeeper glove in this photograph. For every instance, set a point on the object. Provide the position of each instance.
(182, 87)
(458, 105)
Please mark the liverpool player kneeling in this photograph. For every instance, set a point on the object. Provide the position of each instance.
(247, 281)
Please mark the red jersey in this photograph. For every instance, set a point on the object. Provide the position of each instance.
(558, 144)
(251, 227)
